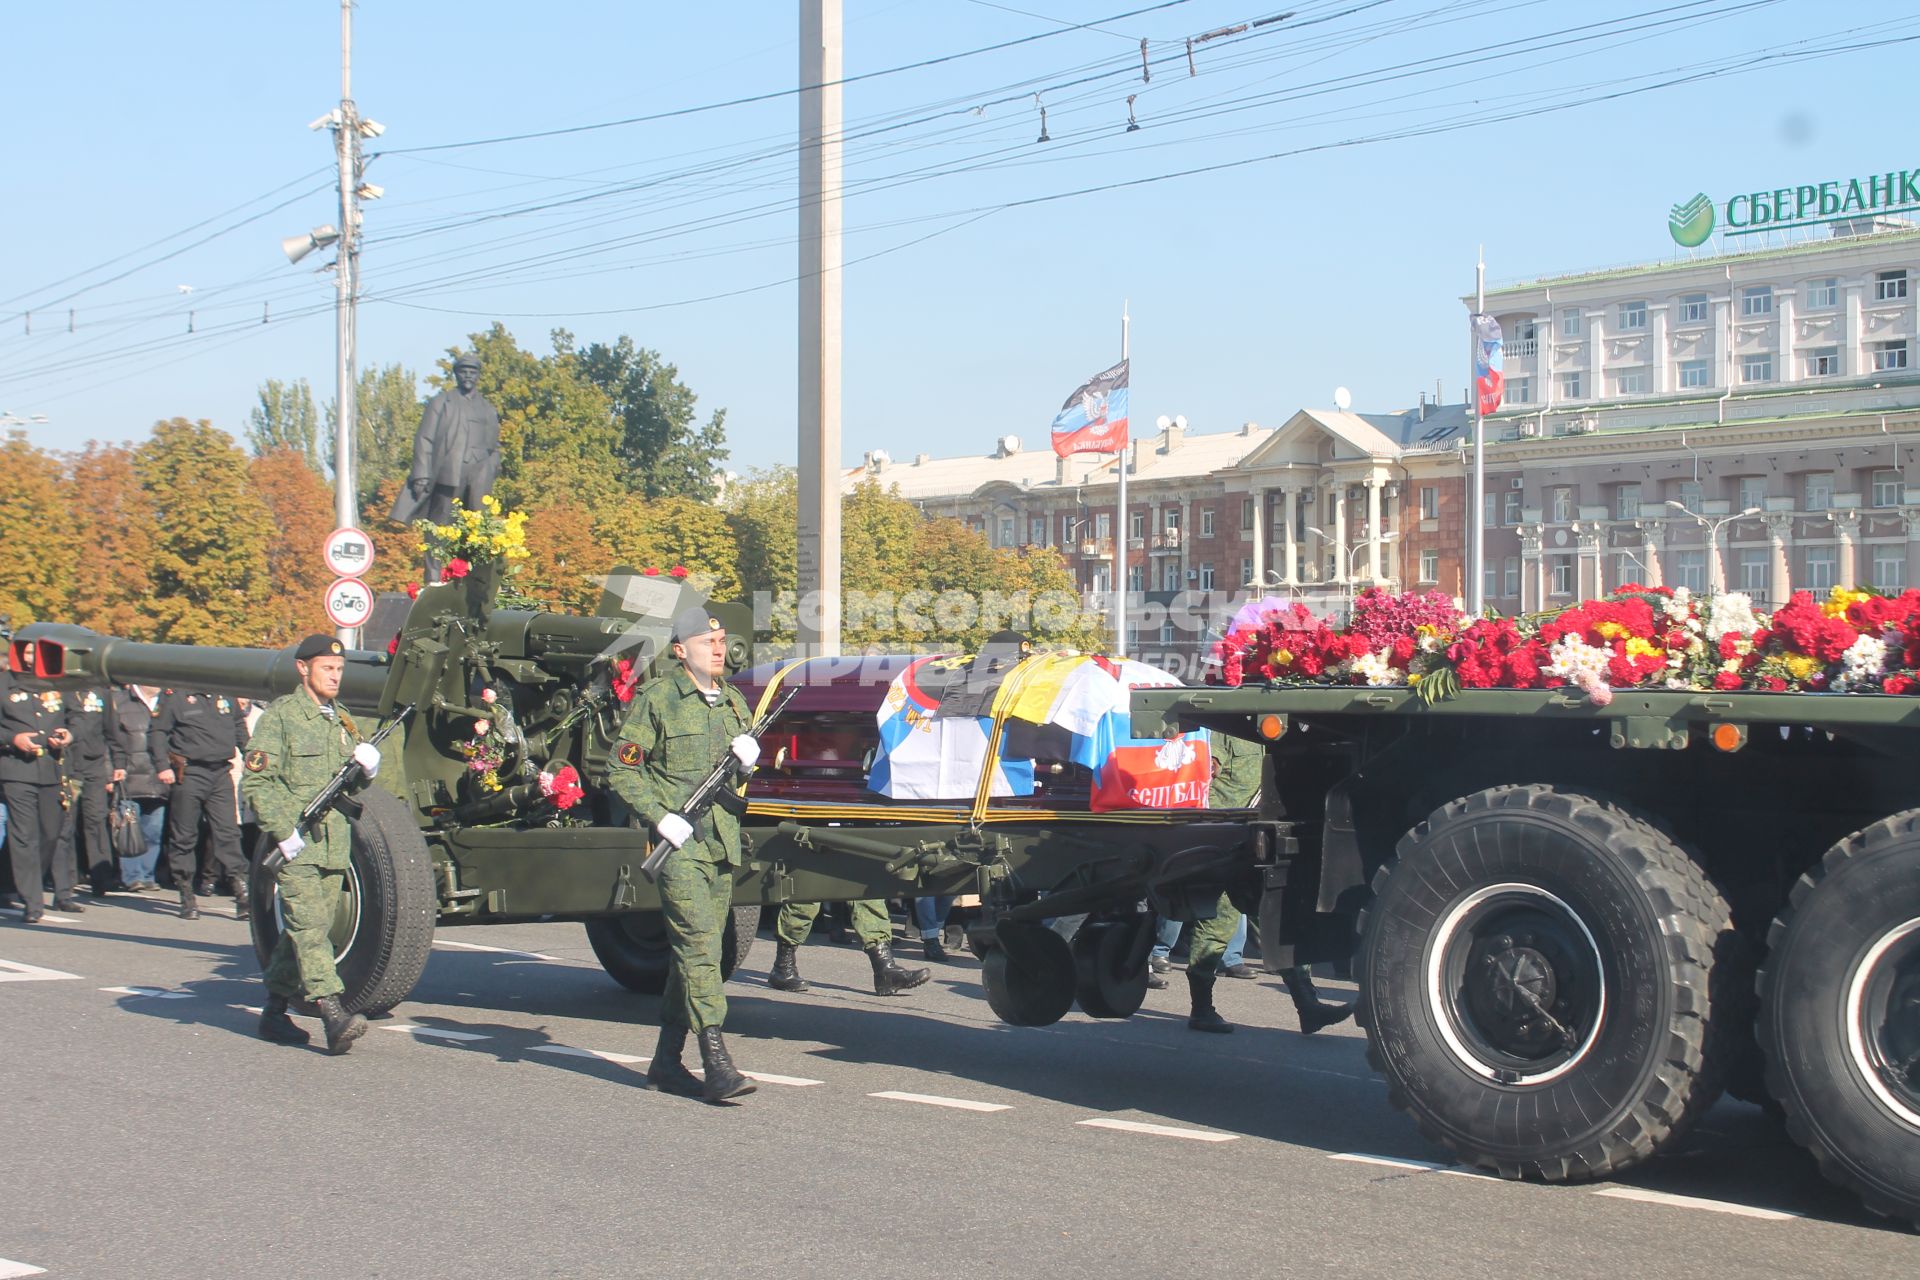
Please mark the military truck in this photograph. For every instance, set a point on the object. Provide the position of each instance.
(1577, 923)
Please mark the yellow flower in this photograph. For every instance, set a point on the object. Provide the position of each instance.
(1639, 648)
(1801, 666)
(1839, 598)
(1611, 630)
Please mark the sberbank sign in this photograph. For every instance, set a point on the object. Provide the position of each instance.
(1835, 200)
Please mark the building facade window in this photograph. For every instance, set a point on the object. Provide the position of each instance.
(1246, 514)
(1137, 524)
(1756, 368)
(1820, 569)
(1688, 494)
(1246, 569)
(1006, 531)
(1571, 325)
(1136, 577)
(1206, 522)
(1487, 510)
(1429, 502)
(1696, 373)
(1890, 568)
(1889, 286)
(1690, 570)
(1757, 300)
(1103, 526)
(1626, 502)
(1519, 391)
(1626, 568)
(1170, 577)
(1166, 633)
(1512, 584)
(1823, 362)
(1037, 530)
(1752, 491)
(1824, 294)
(1171, 522)
(1563, 575)
(1572, 387)
(1756, 567)
(1429, 566)
(1206, 576)
(1889, 356)
(1633, 315)
(1630, 381)
(1513, 506)
(1818, 491)
(1561, 500)
(1889, 488)
(1695, 308)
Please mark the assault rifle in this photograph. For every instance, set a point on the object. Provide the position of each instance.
(719, 782)
(334, 794)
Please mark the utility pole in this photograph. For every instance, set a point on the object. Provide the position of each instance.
(1120, 525)
(818, 551)
(1476, 509)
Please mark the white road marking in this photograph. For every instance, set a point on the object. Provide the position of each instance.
(54, 917)
(934, 1100)
(624, 1059)
(14, 971)
(438, 1033)
(152, 993)
(798, 1082)
(9, 1269)
(1158, 1130)
(1695, 1202)
(501, 951)
(1391, 1162)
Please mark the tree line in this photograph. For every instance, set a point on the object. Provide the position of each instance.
(191, 538)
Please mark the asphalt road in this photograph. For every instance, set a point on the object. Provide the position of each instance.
(495, 1127)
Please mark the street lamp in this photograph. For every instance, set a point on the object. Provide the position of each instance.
(1354, 551)
(1713, 527)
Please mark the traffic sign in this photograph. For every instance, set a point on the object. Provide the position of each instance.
(349, 601)
(348, 552)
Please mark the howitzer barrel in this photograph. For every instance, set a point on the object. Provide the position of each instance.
(55, 651)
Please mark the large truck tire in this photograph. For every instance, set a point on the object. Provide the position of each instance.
(632, 947)
(383, 931)
(1840, 1014)
(1534, 976)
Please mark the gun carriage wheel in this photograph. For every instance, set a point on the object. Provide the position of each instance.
(384, 929)
(632, 947)
(1030, 976)
(1110, 963)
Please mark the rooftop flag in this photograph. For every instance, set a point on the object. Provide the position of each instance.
(1489, 382)
(1094, 418)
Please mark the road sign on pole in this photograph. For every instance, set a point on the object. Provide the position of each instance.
(348, 552)
(349, 601)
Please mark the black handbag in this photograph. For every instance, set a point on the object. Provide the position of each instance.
(123, 822)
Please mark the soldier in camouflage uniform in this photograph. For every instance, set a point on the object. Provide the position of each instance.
(1236, 785)
(300, 742)
(870, 921)
(675, 732)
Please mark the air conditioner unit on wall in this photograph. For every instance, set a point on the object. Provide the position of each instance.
(1517, 483)
(1529, 429)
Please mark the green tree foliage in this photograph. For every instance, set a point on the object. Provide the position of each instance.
(558, 433)
(387, 409)
(674, 531)
(762, 507)
(285, 419)
(210, 578)
(114, 529)
(664, 452)
(37, 529)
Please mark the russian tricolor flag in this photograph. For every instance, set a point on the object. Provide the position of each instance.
(1094, 418)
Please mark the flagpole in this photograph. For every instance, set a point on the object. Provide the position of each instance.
(1120, 515)
(1476, 514)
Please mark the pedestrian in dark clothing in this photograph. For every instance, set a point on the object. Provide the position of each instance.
(193, 738)
(33, 731)
(91, 766)
(130, 717)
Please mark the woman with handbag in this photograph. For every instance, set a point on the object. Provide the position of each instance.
(140, 789)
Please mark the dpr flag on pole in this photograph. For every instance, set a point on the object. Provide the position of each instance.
(1489, 381)
(1094, 418)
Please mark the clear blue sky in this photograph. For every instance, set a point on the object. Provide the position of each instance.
(1254, 289)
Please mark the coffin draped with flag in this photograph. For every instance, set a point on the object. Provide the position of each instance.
(938, 733)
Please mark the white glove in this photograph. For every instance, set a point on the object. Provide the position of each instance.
(673, 829)
(290, 847)
(746, 750)
(367, 756)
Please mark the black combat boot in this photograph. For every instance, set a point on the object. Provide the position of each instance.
(1204, 1017)
(343, 1028)
(786, 969)
(239, 897)
(889, 978)
(933, 950)
(189, 909)
(666, 1072)
(276, 1026)
(723, 1079)
(1314, 1013)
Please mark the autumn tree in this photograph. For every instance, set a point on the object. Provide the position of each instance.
(114, 542)
(566, 560)
(37, 528)
(673, 531)
(285, 419)
(301, 506)
(663, 450)
(210, 579)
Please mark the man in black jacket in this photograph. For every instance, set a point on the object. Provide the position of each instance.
(91, 766)
(131, 710)
(193, 738)
(33, 730)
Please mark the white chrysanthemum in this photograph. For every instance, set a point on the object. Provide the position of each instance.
(1731, 611)
(1865, 657)
(1376, 670)
(1578, 662)
(1679, 605)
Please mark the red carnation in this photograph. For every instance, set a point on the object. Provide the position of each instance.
(393, 645)
(678, 571)
(413, 591)
(1899, 684)
(456, 568)
(1726, 681)
(625, 680)
(651, 571)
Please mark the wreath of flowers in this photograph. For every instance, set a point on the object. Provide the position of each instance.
(1639, 637)
(489, 535)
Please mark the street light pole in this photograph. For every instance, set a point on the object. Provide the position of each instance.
(1715, 576)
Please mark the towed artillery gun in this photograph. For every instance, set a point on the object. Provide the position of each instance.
(1068, 895)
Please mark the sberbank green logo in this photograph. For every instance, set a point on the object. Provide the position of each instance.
(1691, 223)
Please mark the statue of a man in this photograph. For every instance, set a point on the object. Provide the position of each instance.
(456, 451)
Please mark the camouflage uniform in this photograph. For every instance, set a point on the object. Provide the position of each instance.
(671, 738)
(295, 749)
(870, 921)
(1236, 785)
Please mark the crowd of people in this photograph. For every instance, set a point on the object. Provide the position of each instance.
(127, 790)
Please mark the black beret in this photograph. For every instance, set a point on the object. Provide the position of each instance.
(318, 647)
(696, 621)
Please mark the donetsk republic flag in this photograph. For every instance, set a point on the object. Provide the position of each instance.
(1094, 418)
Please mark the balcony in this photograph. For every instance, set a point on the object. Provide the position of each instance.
(1521, 348)
(1168, 541)
(1097, 547)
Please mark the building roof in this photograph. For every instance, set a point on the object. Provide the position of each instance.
(927, 477)
(1805, 248)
